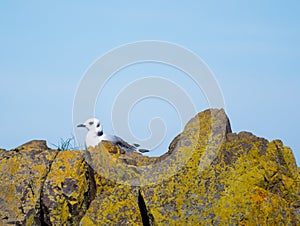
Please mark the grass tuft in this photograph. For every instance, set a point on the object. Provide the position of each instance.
(66, 144)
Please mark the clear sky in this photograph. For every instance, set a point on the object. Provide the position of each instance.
(252, 47)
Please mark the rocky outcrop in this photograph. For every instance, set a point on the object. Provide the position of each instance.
(209, 176)
(23, 174)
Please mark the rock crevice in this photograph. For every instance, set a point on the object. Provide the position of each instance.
(143, 210)
(40, 207)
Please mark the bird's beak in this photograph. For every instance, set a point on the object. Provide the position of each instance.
(81, 125)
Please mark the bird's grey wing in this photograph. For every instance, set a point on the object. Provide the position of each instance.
(130, 147)
(124, 144)
(110, 138)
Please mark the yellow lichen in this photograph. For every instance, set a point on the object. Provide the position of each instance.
(210, 176)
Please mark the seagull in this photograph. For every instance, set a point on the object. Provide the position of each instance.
(95, 135)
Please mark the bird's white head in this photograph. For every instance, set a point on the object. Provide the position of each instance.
(92, 124)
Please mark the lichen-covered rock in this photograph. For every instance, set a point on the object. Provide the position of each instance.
(118, 166)
(249, 182)
(68, 189)
(116, 205)
(22, 174)
(209, 176)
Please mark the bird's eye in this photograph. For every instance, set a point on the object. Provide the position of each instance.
(91, 123)
(98, 124)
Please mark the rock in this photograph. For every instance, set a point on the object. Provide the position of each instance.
(68, 190)
(34, 144)
(116, 205)
(209, 176)
(23, 172)
(249, 182)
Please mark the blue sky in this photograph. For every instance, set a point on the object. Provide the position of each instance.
(251, 46)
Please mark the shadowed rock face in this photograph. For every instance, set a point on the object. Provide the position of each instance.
(216, 177)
